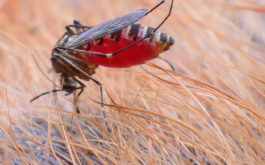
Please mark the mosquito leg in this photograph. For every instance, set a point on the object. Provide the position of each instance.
(82, 51)
(69, 30)
(78, 27)
(53, 91)
(169, 63)
(108, 55)
(156, 6)
(45, 93)
(153, 32)
(88, 76)
(82, 86)
(78, 24)
(136, 42)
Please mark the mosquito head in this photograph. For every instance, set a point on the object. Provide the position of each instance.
(68, 84)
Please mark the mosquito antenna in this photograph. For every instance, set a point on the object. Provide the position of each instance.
(45, 93)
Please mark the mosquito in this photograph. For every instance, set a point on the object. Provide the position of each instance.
(117, 42)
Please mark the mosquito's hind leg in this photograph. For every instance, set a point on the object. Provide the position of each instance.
(108, 55)
(169, 63)
(77, 26)
(150, 34)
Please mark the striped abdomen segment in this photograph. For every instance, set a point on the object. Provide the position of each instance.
(136, 31)
(162, 39)
(138, 54)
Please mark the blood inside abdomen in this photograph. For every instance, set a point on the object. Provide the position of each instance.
(138, 54)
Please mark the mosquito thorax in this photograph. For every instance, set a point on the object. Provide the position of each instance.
(65, 69)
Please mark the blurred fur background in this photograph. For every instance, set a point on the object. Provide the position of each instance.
(210, 111)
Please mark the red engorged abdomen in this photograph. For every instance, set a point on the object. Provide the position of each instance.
(138, 54)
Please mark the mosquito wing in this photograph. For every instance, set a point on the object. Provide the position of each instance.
(105, 28)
